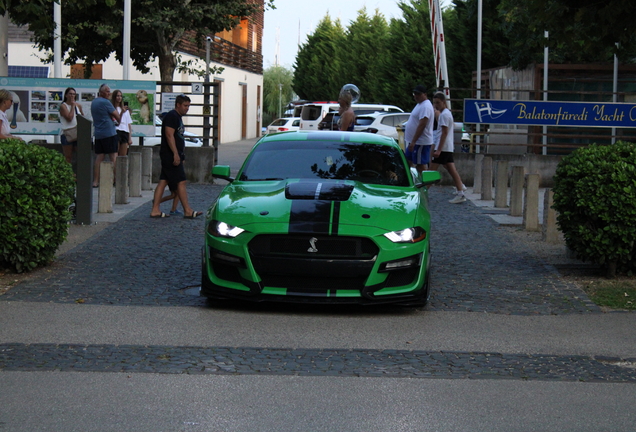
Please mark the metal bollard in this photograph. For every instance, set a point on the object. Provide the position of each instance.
(146, 168)
(121, 179)
(134, 174)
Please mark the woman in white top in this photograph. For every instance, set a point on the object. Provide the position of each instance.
(124, 128)
(68, 118)
(6, 102)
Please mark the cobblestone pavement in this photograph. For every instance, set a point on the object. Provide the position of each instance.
(143, 261)
(308, 362)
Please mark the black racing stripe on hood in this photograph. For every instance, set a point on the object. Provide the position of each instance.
(317, 190)
(309, 216)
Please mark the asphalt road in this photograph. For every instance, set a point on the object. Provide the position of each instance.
(110, 338)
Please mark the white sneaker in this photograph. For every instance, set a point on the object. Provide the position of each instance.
(464, 189)
(458, 199)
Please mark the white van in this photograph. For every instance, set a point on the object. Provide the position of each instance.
(313, 113)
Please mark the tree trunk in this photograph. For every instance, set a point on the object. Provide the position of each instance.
(167, 65)
(611, 270)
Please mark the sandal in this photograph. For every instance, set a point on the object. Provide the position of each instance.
(160, 216)
(194, 215)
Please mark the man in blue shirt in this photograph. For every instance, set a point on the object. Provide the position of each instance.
(104, 117)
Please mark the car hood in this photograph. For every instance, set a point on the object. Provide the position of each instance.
(316, 206)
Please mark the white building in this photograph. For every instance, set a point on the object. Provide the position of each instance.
(241, 82)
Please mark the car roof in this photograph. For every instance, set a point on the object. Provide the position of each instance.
(332, 136)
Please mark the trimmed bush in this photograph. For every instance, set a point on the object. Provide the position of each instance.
(595, 195)
(36, 190)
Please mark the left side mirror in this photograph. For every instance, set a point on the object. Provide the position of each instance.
(222, 172)
(430, 177)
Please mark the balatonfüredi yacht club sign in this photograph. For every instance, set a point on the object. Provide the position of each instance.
(550, 113)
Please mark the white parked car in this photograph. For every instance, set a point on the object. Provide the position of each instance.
(191, 140)
(380, 123)
(284, 124)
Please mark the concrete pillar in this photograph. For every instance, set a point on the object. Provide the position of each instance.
(105, 194)
(549, 229)
(134, 174)
(486, 179)
(516, 190)
(146, 168)
(531, 203)
(479, 159)
(121, 180)
(501, 184)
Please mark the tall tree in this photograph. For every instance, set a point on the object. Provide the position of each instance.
(92, 29)
(365, 45)
(580, 31)
(317, 67)
(277, 90)
(411, 58)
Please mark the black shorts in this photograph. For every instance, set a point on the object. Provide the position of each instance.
(444, 158)
(123, 136)
(107, 145)
(172, 174)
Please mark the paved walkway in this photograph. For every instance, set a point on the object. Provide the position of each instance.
(143, 261)
(503, 332)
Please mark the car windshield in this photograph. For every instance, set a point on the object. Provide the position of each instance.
(368, 163)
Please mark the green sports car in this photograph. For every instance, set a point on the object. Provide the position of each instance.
(323, 217)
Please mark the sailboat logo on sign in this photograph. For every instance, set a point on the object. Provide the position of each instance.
(485, 109)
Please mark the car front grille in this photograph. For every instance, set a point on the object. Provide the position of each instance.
(321, 247)
(313, 264)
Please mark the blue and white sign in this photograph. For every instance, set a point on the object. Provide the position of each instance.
(548, 113)
(37, 101)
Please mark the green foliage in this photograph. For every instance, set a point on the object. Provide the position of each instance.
(366, 38)
(581, 31)
(276, 98)
(318, 63)
(36, 189)
(595, 195)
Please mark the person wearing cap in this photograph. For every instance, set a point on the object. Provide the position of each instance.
(418, 131)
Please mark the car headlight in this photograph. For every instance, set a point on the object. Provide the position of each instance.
(221, 229)
(409, 235)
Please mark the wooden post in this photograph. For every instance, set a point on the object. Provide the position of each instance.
(121, 180)
(516, 190)
(479, 159)
(486, 179)
(105, 193)
(531, 203)
(134, 174)
(501, 184)
(146, 168)
(550, 231)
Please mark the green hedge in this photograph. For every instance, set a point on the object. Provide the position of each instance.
(36, 189)
(595, 195)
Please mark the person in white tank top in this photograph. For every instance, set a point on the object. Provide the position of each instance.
(68, 118)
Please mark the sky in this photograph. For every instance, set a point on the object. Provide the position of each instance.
(294, 18)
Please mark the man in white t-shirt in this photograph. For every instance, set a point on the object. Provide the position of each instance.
(418, 131)
(444, 146)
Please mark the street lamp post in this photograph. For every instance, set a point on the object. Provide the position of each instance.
(280, 98)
